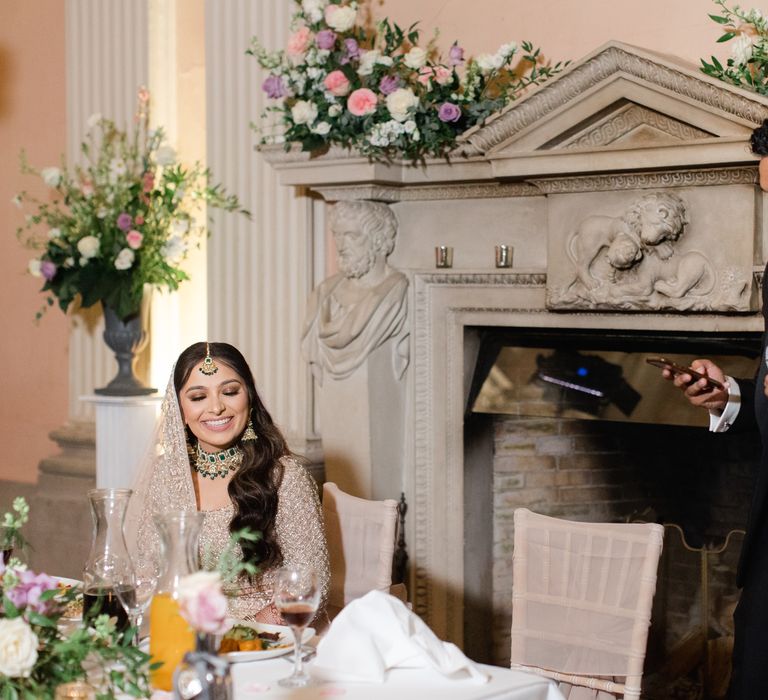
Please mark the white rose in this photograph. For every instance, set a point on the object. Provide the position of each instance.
(174, 248)
(334, 110)
(313, 9)
(321, 128)
(88, 246)
(124, 259)
(51, 176)
(341, 18)
(303, 112)
(165, 155)
(409, 126)
(34, 268)
(487, 62)
(400, 102)
(741, 49)
(416, 58)
(93, 120)
(18, 648)
(69, 262)
(367, 61)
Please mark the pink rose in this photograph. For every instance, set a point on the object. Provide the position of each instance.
(443, 75)
(361, 102)
(298, 41)
(336, 83)
(202, 603)
(134, 239)
(425, 75)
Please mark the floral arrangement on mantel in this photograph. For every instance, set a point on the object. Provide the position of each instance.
(40, 649)
(747, 65)
(123, 219)
(381, 92)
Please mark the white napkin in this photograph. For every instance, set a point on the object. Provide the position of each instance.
(378, 632)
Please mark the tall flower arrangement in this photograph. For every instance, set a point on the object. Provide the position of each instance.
(124, 218)
(747, 32)
(381, 91)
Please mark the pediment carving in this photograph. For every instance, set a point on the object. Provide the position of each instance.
(629, 124)
(619, 95)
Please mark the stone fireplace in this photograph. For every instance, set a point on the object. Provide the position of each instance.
(622, 133)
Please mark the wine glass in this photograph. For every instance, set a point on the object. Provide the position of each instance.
(134, 588)
(297, 595)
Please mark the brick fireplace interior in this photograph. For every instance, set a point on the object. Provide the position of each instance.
(638, 453)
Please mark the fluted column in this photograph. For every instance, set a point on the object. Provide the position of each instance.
(107, 60)
(261, 271)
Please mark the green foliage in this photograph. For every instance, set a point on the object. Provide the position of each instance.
(747, 66)
(438, 97)
(122, 219)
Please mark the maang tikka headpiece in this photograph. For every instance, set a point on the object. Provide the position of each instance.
(209, 366)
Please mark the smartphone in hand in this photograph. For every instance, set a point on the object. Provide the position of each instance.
(679, 369)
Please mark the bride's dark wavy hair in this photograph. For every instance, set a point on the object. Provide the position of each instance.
(253, 488)
(758, 142)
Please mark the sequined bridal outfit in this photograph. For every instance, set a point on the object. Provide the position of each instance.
(165, 483)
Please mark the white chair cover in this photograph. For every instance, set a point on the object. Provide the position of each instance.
(361, 543)
(582, 595)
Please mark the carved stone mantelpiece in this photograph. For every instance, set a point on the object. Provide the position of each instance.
(557, 170)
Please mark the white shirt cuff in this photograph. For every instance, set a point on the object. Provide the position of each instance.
(721, 421)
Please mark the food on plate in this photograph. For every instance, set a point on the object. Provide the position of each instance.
(245, 638)
(74, 601)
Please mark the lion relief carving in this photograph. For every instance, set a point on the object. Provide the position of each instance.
(632, 262)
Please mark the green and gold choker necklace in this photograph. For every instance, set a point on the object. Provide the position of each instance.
(211, 465)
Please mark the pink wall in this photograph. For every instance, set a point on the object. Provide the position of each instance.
(566, 30)
(33, 358)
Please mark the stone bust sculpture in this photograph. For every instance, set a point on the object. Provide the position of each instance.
(358, 309)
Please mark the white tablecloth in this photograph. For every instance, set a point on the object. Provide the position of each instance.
(258, 681)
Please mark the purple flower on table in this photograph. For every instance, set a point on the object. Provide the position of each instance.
(26, 593)
(124, 221)
(388, 84)
(325, 39)
(351, 50)
(274, 87)
(449, 112)
(48, 269)
(456, 55)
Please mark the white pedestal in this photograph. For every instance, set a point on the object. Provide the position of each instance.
(124, 427)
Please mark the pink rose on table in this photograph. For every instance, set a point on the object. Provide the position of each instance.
(443, 75)
(299, 41)
(202, 603)
(449, 112)
(361, 102)
(134, 239)
(336, 83)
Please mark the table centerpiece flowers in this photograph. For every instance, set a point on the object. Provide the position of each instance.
(10, 528)
(380, 91)
(122, 219)
(38, 651)
(747, 32)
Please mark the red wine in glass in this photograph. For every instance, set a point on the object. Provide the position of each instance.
(297, 614)
(104, 601)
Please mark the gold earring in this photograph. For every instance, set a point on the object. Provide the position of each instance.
(249, 434)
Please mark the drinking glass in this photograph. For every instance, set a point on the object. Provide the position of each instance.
(135, 588)
(297, 595)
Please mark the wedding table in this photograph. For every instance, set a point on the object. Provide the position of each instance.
(257, 680)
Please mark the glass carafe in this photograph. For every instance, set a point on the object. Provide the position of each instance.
(170, 636)
(109, 558)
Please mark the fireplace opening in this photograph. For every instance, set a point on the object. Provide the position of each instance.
(638, 452)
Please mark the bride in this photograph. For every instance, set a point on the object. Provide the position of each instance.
(217, 450)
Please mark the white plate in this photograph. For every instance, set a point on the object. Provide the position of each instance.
(286, 637)
(67, 581)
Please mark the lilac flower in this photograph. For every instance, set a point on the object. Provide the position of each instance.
(325, 39)
(26, 593)
(274, 87)
(449, 112)
(388, 84)
(456, 55)
(351, 50)
(48, 269)
(124, 221)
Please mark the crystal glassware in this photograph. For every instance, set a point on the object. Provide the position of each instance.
(135, 585)
(297, 595)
